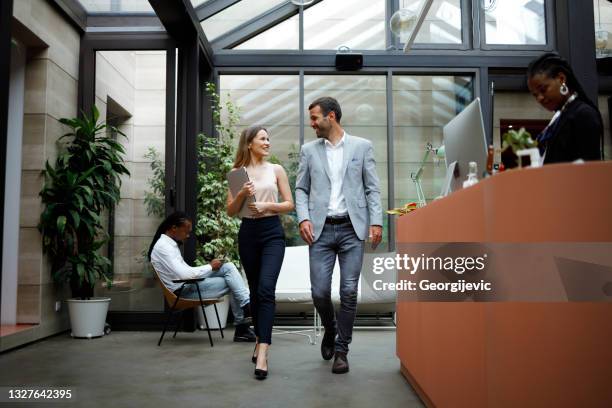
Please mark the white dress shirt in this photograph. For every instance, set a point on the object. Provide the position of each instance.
(169, 263)
(335, 156)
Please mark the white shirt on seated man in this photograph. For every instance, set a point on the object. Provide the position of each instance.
(220, 278)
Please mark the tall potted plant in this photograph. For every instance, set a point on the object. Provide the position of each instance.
(83, 183)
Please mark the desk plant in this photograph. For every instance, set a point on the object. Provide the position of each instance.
(512, 142)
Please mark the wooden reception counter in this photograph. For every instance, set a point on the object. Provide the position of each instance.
(512, 354)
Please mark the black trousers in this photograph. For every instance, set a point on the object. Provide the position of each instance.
(261, 244)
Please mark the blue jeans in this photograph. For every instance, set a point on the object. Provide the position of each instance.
(261, 243)
(225, 280)
(336, 240)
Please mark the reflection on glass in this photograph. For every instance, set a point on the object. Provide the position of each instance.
(364, 113)
(422, 105)
(196, 3)
(357, 24)
(603, 28)
(117, 6)
(516, 22)
(273, 102)
(442, 24)
(240, 13)
(283, 36)
(130, 93)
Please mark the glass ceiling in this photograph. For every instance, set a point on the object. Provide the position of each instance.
(117, 6)
(236, 15)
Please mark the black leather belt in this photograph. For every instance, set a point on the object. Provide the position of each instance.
(338, 220)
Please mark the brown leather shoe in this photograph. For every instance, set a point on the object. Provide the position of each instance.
(327, 344)
(341, 364)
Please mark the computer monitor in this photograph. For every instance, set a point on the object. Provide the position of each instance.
(465, 141)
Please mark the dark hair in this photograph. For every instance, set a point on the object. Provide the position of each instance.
(176, 219)
(551, 64)
(327, 104)
(243, 156)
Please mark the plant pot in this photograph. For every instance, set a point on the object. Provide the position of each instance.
(87, 316)
(222, 308)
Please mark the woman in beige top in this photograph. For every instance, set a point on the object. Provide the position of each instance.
(261, 240)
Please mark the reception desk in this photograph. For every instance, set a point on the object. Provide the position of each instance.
(512, 354)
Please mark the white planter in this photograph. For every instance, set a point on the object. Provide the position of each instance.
(222, 308)
(87, 317)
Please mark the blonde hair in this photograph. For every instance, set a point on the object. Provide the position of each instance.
(243, 156)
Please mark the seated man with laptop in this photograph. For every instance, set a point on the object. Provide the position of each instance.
(220, 278)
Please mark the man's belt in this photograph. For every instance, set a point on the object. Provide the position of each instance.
(338, 220)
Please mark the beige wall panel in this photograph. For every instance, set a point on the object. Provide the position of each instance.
(28, 303)
(143, 224)
(150, 109)
(30, 257)
(151, 70)
(110, 82)
(145, 137)
(31, 207)
(123, 217)
(61, 93)
(33, 147)
(49, 25)
(36, 87)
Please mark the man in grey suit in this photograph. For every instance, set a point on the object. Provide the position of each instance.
(338, 206)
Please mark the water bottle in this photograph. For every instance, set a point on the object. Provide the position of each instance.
(472, 177)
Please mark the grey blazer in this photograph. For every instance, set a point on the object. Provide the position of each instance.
(360, 185)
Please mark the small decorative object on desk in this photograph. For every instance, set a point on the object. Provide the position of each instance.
(472, 177)
(403, 210)
(514, 141)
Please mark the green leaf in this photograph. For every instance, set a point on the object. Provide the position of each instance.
(61, 224)
(80, 270)
(76, 218)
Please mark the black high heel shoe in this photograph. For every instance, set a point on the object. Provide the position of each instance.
(254, 356)
(261, 374)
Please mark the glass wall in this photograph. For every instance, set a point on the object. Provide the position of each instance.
(515, 22)
(273, 102)
(131, 94)
(603, 27)
(327, 25)
(363, 99)
(422, 105)
(442, 24)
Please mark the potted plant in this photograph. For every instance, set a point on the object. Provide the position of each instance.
(78, 189)
(514, 141)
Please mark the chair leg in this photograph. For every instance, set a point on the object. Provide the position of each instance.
(204, 313)
(167, 321)
(218, 320)
(178, 324)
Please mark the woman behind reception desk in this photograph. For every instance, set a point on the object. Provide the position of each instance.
(575, 131)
